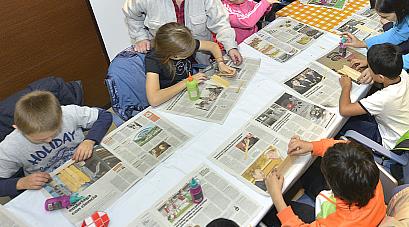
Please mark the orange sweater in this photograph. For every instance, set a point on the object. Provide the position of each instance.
(370, 215)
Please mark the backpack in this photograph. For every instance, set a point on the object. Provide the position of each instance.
(125, 81)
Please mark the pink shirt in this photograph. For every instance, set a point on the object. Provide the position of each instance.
(244, 17)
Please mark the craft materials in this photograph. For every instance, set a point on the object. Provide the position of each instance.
(192, 88)
(196, 191)
(61, 202)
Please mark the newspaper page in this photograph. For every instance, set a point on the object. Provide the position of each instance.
(251, 154)
(283, 38)
(335, 4)
(145, 140)
(216, 101)
(99, 180)
(342, 65)
(221, 199)
(289, 115)
(360, 26)
(7, 219)
(318, 84)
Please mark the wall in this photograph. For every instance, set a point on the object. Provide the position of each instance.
(51, 37)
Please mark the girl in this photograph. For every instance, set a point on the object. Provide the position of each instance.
(244, 15)
(168, 64)
(396, 11)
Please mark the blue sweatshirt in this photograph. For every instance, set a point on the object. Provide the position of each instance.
(398, 34)
(96, 133)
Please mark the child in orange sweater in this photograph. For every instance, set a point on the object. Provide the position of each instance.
(352, 175)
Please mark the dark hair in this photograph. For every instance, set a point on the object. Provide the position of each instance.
(399, 7)
(385, 59)
(351, 172)
(221, 222)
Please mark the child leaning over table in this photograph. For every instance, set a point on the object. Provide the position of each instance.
(46, 135)
(384, 115)
(353, 177)
(244, 15)
(169, 63)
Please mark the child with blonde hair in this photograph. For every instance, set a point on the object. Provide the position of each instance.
(169, 63)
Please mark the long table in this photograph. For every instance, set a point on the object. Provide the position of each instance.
(207, 137)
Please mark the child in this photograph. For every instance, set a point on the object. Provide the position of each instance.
(396, 11)
(389, 106)
(244, 15)
(351, 173)
(47, 135)
(168, 64)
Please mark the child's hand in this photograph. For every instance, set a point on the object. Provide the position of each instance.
(200, 77)
(226, 70)
(366, 77)
(84, 150)
(33, 181)
(142, 46)
(346, 83)
(274, 183)
(296, 146)
(273, 1)
(235, 56)
(359, 63)
(353, 41)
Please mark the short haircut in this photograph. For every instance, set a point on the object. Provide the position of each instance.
(385, 59)
(351, 172)
(222, 222)
(399, 7)
(37, 112)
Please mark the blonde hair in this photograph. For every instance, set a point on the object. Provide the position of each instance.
(37, 112)
(173, 39)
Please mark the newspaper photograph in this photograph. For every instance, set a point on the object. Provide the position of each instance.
(217, 97)
(7, 219)
(342, 65)
(289, 115)
(318, 84)
(99, 181)
(145, 140)
(251, 154)
(360, 26)
(335, 4)
(220, 199)
(283, 38)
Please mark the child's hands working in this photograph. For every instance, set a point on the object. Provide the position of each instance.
(226, 70)
(274, 183)
(296, 146)
(84, 150)
(361, 65)
(353, 41)
(200, 77)
(33, 181)
(346, 83)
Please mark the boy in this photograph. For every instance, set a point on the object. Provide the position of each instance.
(46, 135)
(389, 106)
(350, 172)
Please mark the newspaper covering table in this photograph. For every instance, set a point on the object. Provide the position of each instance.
(283, 38)
(127, 155)
(7, 219)
(336, 4)
(361, 26)
(221, 199)
(261, 145)
(216, 101)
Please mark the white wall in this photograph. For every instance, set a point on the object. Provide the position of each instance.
(110, 20)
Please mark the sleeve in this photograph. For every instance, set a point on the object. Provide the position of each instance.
(197, 45)
(100, 126)
(152, 65)
(288, 218)
(320, 147)
(134, 19)
(218, 23)
(8, 186)
(396, 35)
(251, 18)
(374, 104)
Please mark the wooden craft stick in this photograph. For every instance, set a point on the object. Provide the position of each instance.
(220, 81)
(352, 73)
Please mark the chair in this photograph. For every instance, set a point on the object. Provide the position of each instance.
(388, 181)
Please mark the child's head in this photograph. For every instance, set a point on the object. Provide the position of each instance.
(173, 41)
(38, 116)
(392, 10)
(386, 60)
(221, 222)
(351, 172)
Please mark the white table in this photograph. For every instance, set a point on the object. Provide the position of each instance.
(207, 137)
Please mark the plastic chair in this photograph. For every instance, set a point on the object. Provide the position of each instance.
(388, 181)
